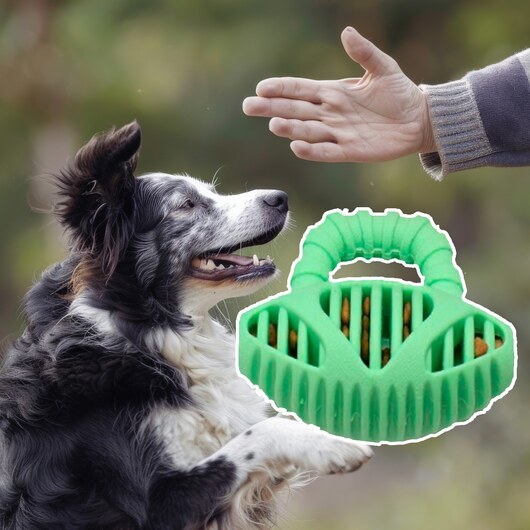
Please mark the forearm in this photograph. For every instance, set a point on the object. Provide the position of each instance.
(482, 119)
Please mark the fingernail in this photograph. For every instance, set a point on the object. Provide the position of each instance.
(245, 105)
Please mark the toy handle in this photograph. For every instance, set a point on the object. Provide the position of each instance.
(342, 237)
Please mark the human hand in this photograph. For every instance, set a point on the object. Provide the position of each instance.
(378, 117)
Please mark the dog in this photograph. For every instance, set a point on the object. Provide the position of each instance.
(120, 404)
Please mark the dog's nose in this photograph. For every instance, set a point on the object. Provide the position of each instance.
(278, 200)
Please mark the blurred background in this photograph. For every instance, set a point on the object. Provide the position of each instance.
(69, 69)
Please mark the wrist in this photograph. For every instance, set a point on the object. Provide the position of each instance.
(428, 144)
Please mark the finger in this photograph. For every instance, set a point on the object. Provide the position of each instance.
(290, 87)
(310, 130)
(283, 108)
(319, 152)
(365, 53)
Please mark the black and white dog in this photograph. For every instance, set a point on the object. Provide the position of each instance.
(120, 404)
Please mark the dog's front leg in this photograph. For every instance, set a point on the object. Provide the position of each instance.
(193, 498)
(280, 443)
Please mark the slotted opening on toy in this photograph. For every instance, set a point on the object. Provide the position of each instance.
(386, 327)
(287, 334)
(469, 339)
(366, 324)
(376, 318)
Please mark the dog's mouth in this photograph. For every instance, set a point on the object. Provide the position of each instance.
(223, 264)
(218, 267)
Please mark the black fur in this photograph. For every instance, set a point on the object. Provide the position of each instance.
(72, 450)
(98, 194)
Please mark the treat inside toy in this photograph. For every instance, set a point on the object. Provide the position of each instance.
(375, 323)
(365, 328)
(393, 315)
(470, 339)
(287, 334)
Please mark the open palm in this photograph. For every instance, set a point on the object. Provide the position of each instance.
(378, 117)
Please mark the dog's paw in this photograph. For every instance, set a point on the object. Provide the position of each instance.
(338, 455)
(281, 441)
(327, 454)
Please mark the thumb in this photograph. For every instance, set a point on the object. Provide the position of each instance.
(365, 53)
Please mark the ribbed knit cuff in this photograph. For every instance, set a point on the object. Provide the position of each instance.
(458, 130)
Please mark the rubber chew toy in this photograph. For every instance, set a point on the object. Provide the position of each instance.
(371, 358)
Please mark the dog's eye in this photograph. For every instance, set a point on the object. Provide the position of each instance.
(188, 203)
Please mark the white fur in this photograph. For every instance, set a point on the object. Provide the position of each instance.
(100, 319)
(224, 404)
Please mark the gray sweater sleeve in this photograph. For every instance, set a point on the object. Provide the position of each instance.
(482, 119)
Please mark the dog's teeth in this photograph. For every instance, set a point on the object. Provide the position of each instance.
(196, 262)
(255, 260)
(220, 266)
(263, 261)
(209, 265)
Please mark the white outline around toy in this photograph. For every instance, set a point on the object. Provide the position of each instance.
(347, 213)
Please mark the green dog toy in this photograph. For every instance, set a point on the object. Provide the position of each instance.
(373, 359)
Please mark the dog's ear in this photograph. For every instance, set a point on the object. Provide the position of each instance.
(97, 195)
